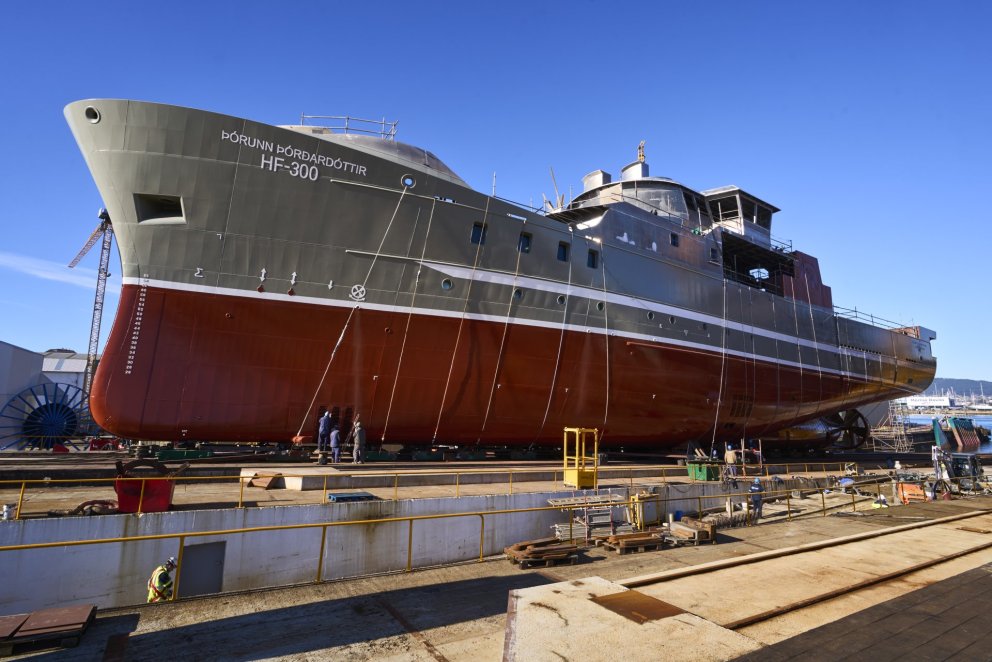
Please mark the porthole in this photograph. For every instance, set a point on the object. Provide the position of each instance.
(408, 181)
(561, 299)
(92, 114)
(705, 326)
(518, 294)
(446, 284)
(650, 315)
(672, 320)
(600, 306)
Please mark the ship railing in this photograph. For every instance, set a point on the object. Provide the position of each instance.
(347, 124)
(666, 505)
(861, 316)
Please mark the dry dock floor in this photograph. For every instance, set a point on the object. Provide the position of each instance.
(459, 612)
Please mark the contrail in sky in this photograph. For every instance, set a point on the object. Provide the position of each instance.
(49, 270)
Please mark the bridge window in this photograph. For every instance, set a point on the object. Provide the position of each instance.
(479, 233)
(523, 245)
(592, 261)
(563, 247)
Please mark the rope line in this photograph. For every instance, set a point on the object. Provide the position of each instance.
(723, 366)
(351, 314)
(561, 342)
(461, 322)
(409, 317)
(606, 335)
(502, 342)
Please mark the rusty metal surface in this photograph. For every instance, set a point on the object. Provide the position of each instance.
(68, 619)
(636, 606)
(10, 624)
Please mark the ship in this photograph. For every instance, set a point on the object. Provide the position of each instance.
(271, 273)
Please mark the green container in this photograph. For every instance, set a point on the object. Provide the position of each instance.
(699, 471)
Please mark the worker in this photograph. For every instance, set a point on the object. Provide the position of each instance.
(324, 432)
(730, 458)
(160, 583)
(357, 436)
(756, 492)
(335, 444)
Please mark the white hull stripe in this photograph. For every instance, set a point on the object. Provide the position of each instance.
(433, 312)
(499, 278)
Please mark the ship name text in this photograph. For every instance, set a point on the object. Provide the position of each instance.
(297, 162)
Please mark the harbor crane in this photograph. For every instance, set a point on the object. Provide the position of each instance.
(104, 231)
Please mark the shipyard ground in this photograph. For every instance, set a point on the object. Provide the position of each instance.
(493, 610)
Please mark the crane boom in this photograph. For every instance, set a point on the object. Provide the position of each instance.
(106, 231)
(97, 233)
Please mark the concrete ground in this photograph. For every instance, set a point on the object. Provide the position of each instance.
(459, 612)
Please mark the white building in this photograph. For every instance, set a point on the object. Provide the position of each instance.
(929, 402)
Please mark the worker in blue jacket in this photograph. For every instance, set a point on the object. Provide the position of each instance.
(756, 493)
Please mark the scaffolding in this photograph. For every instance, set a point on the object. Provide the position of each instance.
(891, 437)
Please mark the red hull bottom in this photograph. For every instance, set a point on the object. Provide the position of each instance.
(185, 365)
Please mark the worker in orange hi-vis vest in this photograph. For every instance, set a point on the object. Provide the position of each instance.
(160, 583)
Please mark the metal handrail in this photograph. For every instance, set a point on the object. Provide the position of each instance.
(347, 124)
(665, 475)
(570, 508)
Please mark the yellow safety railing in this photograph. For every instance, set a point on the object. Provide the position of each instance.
(665, 500)
(666, 473)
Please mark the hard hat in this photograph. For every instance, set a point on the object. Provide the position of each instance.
(171, 561)
(757, 481)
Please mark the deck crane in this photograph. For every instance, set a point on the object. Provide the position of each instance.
(105, 231)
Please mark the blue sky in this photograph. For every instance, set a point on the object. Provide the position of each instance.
(867, 123)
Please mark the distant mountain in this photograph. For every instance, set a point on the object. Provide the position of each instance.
(959, 386)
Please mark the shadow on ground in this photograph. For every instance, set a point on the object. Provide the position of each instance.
(300, 629)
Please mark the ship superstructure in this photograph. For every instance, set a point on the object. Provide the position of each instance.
(272, 272)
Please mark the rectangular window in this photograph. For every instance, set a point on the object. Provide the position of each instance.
(563, 251)
(714, 256)
(674, 238)
(479, 233)
(748, 210)
(524, 244)
(592, 261)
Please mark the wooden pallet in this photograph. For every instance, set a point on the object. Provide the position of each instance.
(545, 551)
(634, 542)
